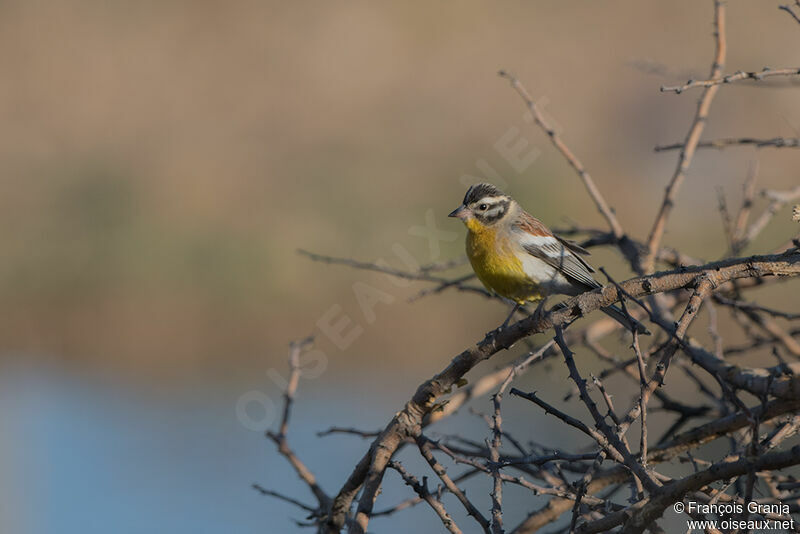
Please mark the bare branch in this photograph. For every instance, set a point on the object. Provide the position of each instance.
(690, 143)
(280, 440)
(421, 489)
(748, 194)
(497, 433)
(589, 478)
(423, 274)
(575, 163)
(766, 72)
(775, 142)
(647, 511)
(778, 199)
(369, 471)
(351, 431)
(424, 445)
(620, 451)
(271, 493)
(661, 453)
(791, 12)
(568, 419)
(642, 398)
(489, 382)
(494, 456)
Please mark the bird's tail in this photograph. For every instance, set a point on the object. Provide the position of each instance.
(618, 315)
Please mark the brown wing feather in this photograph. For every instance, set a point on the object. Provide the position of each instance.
(530, 224)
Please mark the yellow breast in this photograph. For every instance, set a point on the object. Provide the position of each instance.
(497, 266)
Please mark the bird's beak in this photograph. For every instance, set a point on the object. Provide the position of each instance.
(460, 212)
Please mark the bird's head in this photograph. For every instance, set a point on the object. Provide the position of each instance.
(484, 205)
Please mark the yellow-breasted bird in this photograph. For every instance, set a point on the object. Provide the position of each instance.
(515, 256)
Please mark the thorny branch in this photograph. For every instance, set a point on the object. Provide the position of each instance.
(791, 12)
(775, 142)
(690, 143)
(421, 489)
(574, 162)
(368, 474)
(766, 72)
(606, 482)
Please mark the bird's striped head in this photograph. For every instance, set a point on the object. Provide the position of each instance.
(483, 204)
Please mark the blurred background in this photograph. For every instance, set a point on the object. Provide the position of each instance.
(161, 163)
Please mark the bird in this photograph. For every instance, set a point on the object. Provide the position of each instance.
(518, 258)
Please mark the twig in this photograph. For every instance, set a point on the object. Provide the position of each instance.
(637, 517)
(661, 453)
(421, 489)
(494, 456)
(520, 481)
(606, 398)
(489, 382)
(775, 142)
(725, 215)
(690, 143)
(789, 10)
(420, 275)
(575, 479)
(444, 265)
(344, 430)
(713, 331)
(667, 403)
(748, 195)
(547, 458)
(413, 501)
(568, 419)
(494, 447)
(458, 283)
(369, 471)
(575, 163)
(619, 451)
(642, 398)
(402, 505)
(778, 199)
(280, 496)
(424, 445)
(295, 349)
(773, 329)
(766, 72)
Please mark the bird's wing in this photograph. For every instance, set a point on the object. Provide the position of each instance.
(539, 242)
(574, 247)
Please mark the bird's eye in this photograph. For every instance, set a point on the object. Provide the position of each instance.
(483, 207)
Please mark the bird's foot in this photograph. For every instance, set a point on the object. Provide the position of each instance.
(539, 312)
(510, 316)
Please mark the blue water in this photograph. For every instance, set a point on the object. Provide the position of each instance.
(91, 455)
(87, 455)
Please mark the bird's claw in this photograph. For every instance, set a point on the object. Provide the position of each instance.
(508, 319)
(539, 312)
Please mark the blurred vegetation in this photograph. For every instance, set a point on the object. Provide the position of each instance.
(161, 162)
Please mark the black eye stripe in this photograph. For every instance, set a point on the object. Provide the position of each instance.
(489, 204)
(495, 212)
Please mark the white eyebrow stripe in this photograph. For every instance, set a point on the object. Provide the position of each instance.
(490, 200)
